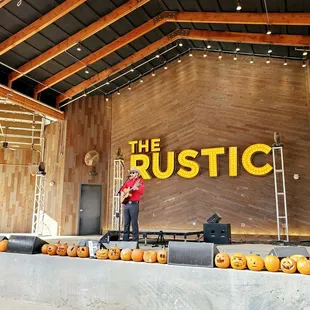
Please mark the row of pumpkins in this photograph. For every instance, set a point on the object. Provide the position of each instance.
(256, 263)
(114, 253)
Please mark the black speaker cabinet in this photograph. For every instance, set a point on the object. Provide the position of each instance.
(122, 244)
(25, 244)
(217, 233)
(287, 251)
(193, 254)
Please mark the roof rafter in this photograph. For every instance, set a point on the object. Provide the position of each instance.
(42, 22)
(170, 16)
(30, 103)
(83, 34)
(252, 38)
(4, 2)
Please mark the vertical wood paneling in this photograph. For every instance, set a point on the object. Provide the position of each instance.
(16, 190)
(206, 102)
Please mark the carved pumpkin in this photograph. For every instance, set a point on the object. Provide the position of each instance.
(303, 266)
(44, 248)
(102, 254)
(272, 263)
(3, 245)
(222, 260)
(297, 257)
(137, 255)
(288, 265)
(255, 262)
(52, 249)
(62, 250)
(83, 252)
(114, 253)
(126, 254)
(72, 250)
(162, 256)
(150, 257)
(238, 261)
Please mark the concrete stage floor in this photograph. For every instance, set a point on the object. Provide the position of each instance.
(51, 282)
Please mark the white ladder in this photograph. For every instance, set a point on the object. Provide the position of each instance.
(38, 205)
(280, 191)
(118, 179)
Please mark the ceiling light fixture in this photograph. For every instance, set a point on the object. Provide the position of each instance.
(239, 7)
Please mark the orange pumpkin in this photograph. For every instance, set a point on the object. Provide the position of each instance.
(150, 257)
(102, 254)
(62, 250)
(44, 248)
(83, 252)
(126, 254)
(137, 255)
(162, 256)
(3, 245)
(272, 263)
(297, 257)
(52, 249)
(222, 260)
(288, 265)
(303, 266)
(114, 253)
(238, 261)
(72, 250)
(255, 262)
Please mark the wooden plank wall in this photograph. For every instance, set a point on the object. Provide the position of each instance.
(88, 128)
(207, 102)
(54, 157)
(16, 190)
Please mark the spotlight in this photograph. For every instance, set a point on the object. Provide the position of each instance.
(268, 29)
(107, 83)
(285, 62)
(235, 57)
(179, 60)
(106, 99)
(209, 46)
(180, 44)
(19, 3)
(141, 80)
(153, 73)
(220, 55)
(252, 60)
(268, 61)
(205, 54)
(86, 71)
(190, 54)
(78, 47)
(239, 7)
(132, 69)
(157, 55)
(129, 87)
(237, 48)
(269, 50)
(304, 64)
(166, 67)
(305, 53)
(118, 92)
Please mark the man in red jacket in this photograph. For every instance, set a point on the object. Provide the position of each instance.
(131, 209)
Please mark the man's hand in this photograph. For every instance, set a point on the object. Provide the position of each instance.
(134, 188)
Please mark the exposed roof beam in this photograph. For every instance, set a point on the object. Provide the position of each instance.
(42, 22)
(83, 34)
(242, 37)
(30, 103)
(170, 16)
(4, 2)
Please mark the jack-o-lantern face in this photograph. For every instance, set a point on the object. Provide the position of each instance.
(288, 265)
(102, 254)
(52, 249)
(255, 262)
(150, 257)
(162, 256)
(238, 261)
(62, 250)
(83, 252)
(72, 250)
(222, 260)
(114, 253)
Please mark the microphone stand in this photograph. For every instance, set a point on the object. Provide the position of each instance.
(118, 214)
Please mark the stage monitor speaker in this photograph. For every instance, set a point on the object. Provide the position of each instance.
(110, 236)
(217, 233)
(287, 251)
(122, 244)
(214, 218)
(193, 254)
(25, 244)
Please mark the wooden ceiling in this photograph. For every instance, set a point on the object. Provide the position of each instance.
(56, 51)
